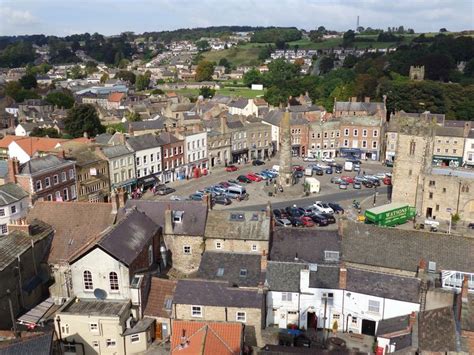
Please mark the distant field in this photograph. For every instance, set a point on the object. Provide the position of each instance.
(228, 91)
(246, 54)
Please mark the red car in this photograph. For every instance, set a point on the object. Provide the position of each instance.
(307, 221)
(387, 181)
(297, 168)
(254, 177)
(348, 179)
(231, 168)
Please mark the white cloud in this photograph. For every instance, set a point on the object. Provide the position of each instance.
(17, 17)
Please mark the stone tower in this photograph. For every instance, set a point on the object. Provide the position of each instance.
(417, 73)
(286, 176)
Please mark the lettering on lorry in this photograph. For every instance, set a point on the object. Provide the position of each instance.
(397, 213)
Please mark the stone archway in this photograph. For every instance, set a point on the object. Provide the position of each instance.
(468, 211)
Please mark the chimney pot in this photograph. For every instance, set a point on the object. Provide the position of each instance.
(342, 277)
(411, 320)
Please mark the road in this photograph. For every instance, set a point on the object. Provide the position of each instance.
(332, 197)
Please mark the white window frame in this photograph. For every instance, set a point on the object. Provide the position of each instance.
(55, 179)
(95, 343)
(110, 343)
(94, 327)
(254, 247)
(114, 284)
(47, 182)
(286, 296)
(4, 228)
(218, 245)
(373, 306)
(135, 338)
(13, 209)
(86, 283)
(63, 176)
(241, 316)
(196, 311)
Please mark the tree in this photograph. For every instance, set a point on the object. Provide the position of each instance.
(326, 64)
(204, 70)
(91, 67)
(44, 132)
(253, 76)
(28, 81)
(133, 116)
(315, 36)
(350, 61)
(76, 72)
(348, 38)
(126, 76)
(442, 30)
(203, 46)
(157, 92)
(104, 78)
(18, 93)
(224, 62)
(142, 82)
(265, 52)
(60, 99)
(83, 118)
(207, 92)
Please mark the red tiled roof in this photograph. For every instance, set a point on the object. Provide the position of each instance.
(171, 94)
(160, 291)
(115, 97)
(74, 223)
(31, 145)
(5, 141)
(206, 338)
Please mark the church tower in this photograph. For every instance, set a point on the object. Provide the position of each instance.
(286, 174)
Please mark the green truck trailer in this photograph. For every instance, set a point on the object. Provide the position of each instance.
(390, 215)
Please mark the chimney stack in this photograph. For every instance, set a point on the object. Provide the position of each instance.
(122, 198)
(19, 225)
(343, 277)
(464, 290)
(168, 221)
(354, 99)
(421, 267)
(411, 320)
(114, 201)
(264, 261)
(367, 99)
(223, 124)
(13, 169)
(268, 210)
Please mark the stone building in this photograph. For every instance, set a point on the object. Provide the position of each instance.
(121, 165)
(361, 136)
(259, 141)
(218, 147)
(324, 138)
(448, 147)
(354, 108)
(172, 157)
(417, 73)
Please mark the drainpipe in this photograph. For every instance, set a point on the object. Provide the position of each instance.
(343, 296)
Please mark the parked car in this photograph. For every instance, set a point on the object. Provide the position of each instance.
(244, 179)
(261, 176)
(284, 222)
(234, 183)
(389, 163)
(280, 213)
(348, 179)
(307, 221)
(368, 184)
(323, 207)
(343, 185)
(222, 200)
(336, 180)
(319, 220)
(297, 168)
(354, 161)
(336, 208)
(329, 171)
(319, 172)
(356, 167)
(357, 185)
(338, 169)
(231, 168)
(258, 162)
(175, 198)
(165, 191)
(224, 184)
(387, 180)
(253, 177)
(330, 218)
(327, 160)
(293, 212)
(298, 174)
(310, 159)
(296, 221)
(196, 197)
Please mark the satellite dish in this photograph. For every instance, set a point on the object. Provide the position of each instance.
(100, 294)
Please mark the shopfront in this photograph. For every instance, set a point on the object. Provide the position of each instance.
(447, 161)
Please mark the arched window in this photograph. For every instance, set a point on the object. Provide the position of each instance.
(113, 280)
(88, 284)
(150, 255)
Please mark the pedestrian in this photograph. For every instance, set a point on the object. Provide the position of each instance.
(363, 172)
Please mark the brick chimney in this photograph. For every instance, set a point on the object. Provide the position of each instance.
(114, 201)
(411, 320)
(19, 225)
(343, 277)
(122, 198)
(168, 221)
(340, 227)
(464, 290)
(264, 261)
(421, 267)
(223, 124)
(354, 99)
(268, 210)
(13, 169)
(367, 99)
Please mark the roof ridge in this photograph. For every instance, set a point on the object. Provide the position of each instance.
(221, 340)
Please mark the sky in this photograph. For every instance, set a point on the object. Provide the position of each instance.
(109, 17)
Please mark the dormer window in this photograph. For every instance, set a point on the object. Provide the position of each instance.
(178, 216)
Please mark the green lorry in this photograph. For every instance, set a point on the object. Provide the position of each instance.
(390, 214)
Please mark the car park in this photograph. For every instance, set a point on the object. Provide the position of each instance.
(319, 220)
(343, 185)
(284, 222)
(196, 197)
(293, 212)
(231, 168)
(222, 200)
(253, 177)
(307, 221)
(328, 171)
(329, 217)
(338, 169)
(258, 162)
(357, 185)
(323, 207)
(310, 159)
(327, 160)
(244, 179)
(295, 221)
(336, 180)
(348, 179)
(261, 176)
(336, 207)
(165, 191)
(356, 167)
(280, 213)
(319, 172)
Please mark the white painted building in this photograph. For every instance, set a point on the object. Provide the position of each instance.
(148, 154)
(13, 205)
(195, 151)
(244, 107)
(468, 158)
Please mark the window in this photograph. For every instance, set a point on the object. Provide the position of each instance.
(138, 161)
(432, 183)
(364, 133)
(454, 151)
(346, 143)
(65, 195)
(286, 296)
(69, 348)
(444, 189)
(364, 144)
(374, 144)
(331, 255)
(336, 316)
(13, 209)
(437, 208)
(150, 255)
(93, 327)
(220, 272)
(95, 344)
(187, 249)
(57, 196)
(116, 164)
(243, 273)
(241, 317)
(88, 284)
(374, 306)
(376, 133)
(113, 281)
(412, 147)
(346, 132)
(151, 157)
(71, 174)
(73, 192)
(2, 212)
(135, 338)
(356, 132)
(47, 182)
(196, 311)
(4, 228)
(63, 176)
(254, 247)
(144, 159)
(218, 245)
(38, 185)
(110, 343)
(354, 321)
(65, 328)
(430, 196)
(49, 197)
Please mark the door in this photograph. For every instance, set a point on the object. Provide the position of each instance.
(282, 320)
(355, 143)
(158, 330)
(368, 327)
(429, 212)
(312, 320)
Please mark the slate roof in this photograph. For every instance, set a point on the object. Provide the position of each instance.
(207, 338)
(306, 244)
(403, 249)
(116, 151)
(214, 293)
(168, 138)
(370, 107)
(383, 285)
(11, 193)
(194, 217)
(274, 117)
(161, 290)
(94, 307)
(47, 162)
(74, 224)
(360, 121)
(324, 277)
(126, 239)
(450, 131)
(16, 242)
(231, 265)
(284, 276)
(237, 225)
(3, 168)
(142, 142)
(392, 325)
(239, 103)
(144, 125)
(103, 138)
(467, 314)
(437, 330)
(31, 345)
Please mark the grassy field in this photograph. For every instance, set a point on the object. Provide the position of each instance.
(246, 54)
(227, 91)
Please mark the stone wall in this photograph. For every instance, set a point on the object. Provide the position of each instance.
(186, 263)
(236, 246)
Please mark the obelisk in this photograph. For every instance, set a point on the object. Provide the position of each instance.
(286, 176)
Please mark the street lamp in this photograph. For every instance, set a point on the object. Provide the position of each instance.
(375, 195)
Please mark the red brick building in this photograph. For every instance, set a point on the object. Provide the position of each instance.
(49, 178)
(172, 157)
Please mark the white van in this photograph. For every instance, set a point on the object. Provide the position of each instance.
(348, 166)
(236, 192)
(276, 168)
